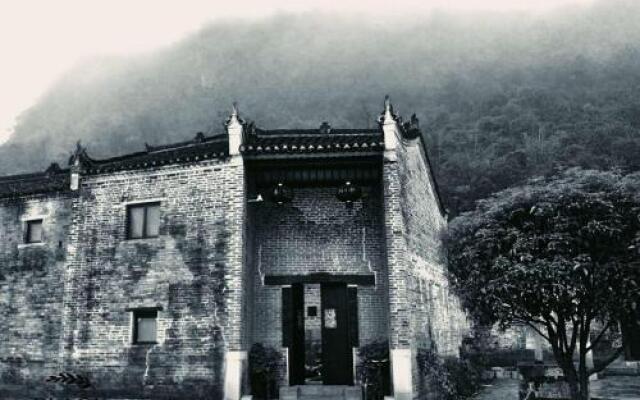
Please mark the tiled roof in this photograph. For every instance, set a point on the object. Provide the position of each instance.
(201, 148)
(305, 141)
(257, 142)
(54, 179)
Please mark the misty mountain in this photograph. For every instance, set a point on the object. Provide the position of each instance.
(500, 96)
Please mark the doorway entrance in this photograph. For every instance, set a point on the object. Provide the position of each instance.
(320, 326)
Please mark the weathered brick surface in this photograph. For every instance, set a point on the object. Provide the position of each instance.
(65, 304)
(396, 253)
(193, 270)
(31, 290)
(317, 233)
(428, 314)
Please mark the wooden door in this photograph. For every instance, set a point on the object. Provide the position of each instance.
(293, 331)
(337, 358)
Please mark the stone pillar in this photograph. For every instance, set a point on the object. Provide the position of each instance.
(399, 321)
(76, 269)
(236, 354)
(235, 368)
(402, 374)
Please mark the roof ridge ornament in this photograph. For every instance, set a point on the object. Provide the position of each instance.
(200, 138)
(79, 156)
(53, 169)
(390, 124)
(235, 131)
(411, 128)
(77, 162)
(387, 116)
(234, 118)
(325, 127)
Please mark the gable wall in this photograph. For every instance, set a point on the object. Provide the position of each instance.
(436, 319)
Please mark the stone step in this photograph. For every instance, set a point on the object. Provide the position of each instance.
(312, 397)
(320, 392)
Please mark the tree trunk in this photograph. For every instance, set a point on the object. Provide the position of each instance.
(584, 386)
(572, 381)
(575, 380)
(583, 375)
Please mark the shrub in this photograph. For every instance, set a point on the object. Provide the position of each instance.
(264, 367)
(453, 379)
(374, 369)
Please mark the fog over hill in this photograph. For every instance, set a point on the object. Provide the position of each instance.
(500, 96)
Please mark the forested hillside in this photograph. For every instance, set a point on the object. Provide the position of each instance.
(500, 97)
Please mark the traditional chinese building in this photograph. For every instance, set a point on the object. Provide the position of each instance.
(152, 274)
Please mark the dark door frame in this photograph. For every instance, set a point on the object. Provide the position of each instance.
(293, 331)
(293, 317)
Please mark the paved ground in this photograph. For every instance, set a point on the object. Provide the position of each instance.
(501, 389)
(618, 388)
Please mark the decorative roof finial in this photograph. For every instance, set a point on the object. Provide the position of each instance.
(325, 127)
(387, 115)
(235, 130)
(234, 118)
(78, 156)
(54, 168)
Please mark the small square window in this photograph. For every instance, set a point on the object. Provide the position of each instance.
(312, 311)
(145, 326)
(34, 231)
(143, 220)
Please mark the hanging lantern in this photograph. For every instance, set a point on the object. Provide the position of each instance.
(281, 194)
(349, 193)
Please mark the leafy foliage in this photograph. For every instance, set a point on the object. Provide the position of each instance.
(264, 367)
(560, 254)
(453, 379)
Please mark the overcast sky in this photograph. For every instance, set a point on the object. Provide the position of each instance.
(41, 39)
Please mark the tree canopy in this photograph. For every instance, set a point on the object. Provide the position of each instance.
(560, 254)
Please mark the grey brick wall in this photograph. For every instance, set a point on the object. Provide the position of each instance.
(435, 317)
(65, 304)
(31, 291)
(193, 270)
(317, 233)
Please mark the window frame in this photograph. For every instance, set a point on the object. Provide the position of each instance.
(145, 216)
(143, 313)
(27, 230)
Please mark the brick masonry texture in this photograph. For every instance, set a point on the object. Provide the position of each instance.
(318, 233)
(192, 270)
(30, 289)
(66, 304)
(432, 316)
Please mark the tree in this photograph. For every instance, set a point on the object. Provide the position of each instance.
(559, 254)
